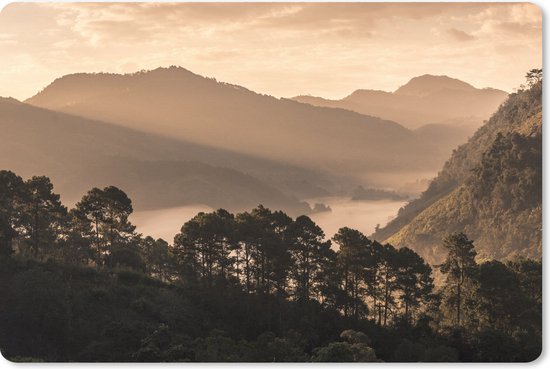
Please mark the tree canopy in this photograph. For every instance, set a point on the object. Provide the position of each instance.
(82, 285)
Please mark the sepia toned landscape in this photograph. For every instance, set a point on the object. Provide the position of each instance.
(271, 182)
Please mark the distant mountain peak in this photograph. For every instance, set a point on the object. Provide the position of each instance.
(428, 84)
(364, 93)
(425, 99)
(72, 88)
(9, 100)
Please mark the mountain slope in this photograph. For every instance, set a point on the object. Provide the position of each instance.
(423, 100)
(173, 101)
(78, 153)
(491, 188)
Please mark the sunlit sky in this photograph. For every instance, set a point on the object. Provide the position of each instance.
(282, 49)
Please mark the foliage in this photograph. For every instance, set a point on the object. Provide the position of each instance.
(491, 188)
(255, 286)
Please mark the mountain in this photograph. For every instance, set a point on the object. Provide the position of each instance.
(423, 100)
(490, 188)
(429, 85)
(178, 103)
(78, 153)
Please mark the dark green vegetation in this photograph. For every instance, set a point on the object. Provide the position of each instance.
(491, 188)
(81, 285)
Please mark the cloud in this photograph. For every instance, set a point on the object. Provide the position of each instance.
(7, 39)
(459, 35)
(284, 49)
(519, 28)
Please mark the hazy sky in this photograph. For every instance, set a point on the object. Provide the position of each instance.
(282, 49)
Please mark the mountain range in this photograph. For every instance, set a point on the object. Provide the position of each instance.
(78, 153)
(424, 100)
(170, 137)
(178, 103)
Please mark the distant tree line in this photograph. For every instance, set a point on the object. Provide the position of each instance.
(367, 288)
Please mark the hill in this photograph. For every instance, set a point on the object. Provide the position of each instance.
(490, 188)
(79, 153)
(178, 103)
(423, 100)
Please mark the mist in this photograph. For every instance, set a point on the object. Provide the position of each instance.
(165, 223)
(360, 215)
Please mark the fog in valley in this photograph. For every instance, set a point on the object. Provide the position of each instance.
(165, 223)
(360, 215)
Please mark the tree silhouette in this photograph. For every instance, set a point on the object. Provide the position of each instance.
(534, 76)
(103, 217)
(44, 216)
(256, 286)
(353, 256)
(458, 268)
(414, 280)
(11, 199)
(309, 253)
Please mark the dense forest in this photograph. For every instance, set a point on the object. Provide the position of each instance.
(83, 285)
(490, 188)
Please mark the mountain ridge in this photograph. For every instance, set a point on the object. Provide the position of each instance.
(502, 158)
(78, 153)
(422, 100)
(208, 112)
(428, 83)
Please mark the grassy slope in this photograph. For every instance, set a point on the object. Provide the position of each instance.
(521, 113)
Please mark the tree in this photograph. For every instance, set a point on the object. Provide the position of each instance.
(309, 253)
(334, 352)
(127, 257)
(203, 246)
(11, 199)
(262, 240)
(270, 348)
(414, 280)
(355, 348)
(329, 282)
(501, 300)
(459, 268)
(272, 255)
(158, 257)
(534, 77)
(375, 280)
(389, 278)
(76, 245)
(529, 273)
(246, 235)
(103, 217)
(117, 207)
(89, 215)
(353, 259)
(44, 217)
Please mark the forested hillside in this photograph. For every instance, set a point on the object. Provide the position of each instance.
(491, 187)
(82, 285)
